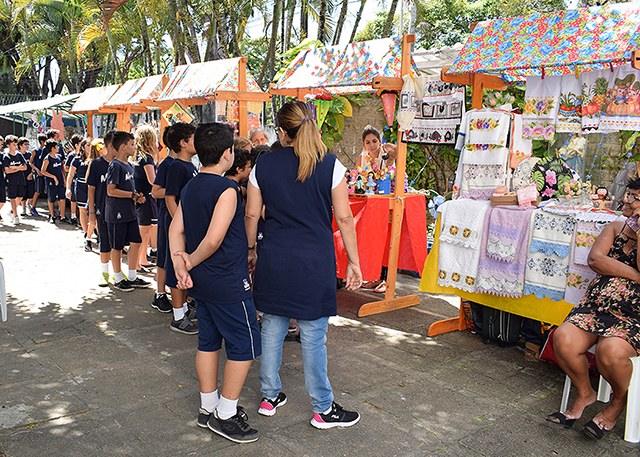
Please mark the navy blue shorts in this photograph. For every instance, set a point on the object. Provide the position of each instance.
(235, 323)
(163, 236)
(103, 233)
(41, 185)
(147, 212)
(16, 190)
(3, 193)
(73, 192)
(30, 189)
(55, 193)
(121, 233)
(81, 193)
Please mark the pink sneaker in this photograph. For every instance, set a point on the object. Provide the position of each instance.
(268, 407)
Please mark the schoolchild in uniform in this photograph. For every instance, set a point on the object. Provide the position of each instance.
(36, 163)
(3, 183)
(23, 148)
(181, 170)
(52, 170)
(208, 247)
(77, 184)
(160, 300)
(121, 212)
(14, 166)
(240, 170)
(96, 200)
(75, 143)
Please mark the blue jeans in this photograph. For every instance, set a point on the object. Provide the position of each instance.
(313, 336)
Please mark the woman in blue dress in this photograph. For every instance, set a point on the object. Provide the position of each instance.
(295, 274)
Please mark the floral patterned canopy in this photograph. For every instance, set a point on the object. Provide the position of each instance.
(587, 38)
(132, 92)
(344, 68)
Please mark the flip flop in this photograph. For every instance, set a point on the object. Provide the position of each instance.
(594, 431)
(563, 420)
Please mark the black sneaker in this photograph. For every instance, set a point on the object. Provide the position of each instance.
(235, 429)
(139, 282)
(51, 220)
(337, 417)
(268, 407)
(87, 246)
(204, 416)
(64, 219)
(184, 325)
(191, 311)
(74, 221)
(123, 285)
(162, 303)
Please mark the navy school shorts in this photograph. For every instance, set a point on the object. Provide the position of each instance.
(147, 212)
(41, 185)
(103, 233)
(121, 233)
(81, 193)
(3, 193)
(16, 190)
(234, 323)
(30, 189)
(55, 193)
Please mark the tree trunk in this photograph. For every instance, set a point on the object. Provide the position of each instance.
(146, 45)
(267, 65)
(341, 19)
(289, 27)
(357, 21)
(188, 31)
(304, 19)
(174, 31)
(388, 25)
(322, 20)
(211, 51)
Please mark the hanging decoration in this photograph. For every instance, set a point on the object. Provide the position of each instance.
(389, 106)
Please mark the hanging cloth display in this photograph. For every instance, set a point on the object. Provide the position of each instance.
(407, 110)
(541, 107)
(570, 106)
(621, 109)
(595, 85)
(521, 148)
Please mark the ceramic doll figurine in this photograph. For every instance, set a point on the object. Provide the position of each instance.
(359, 185)
(371, 184)
(384, 183)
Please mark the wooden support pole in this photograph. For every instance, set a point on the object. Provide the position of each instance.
(390, 301)
(477, 81)
(89, 124)
(243, 113)
(448, 325)
(635, 60)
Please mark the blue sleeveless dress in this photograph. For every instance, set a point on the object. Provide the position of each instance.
(295, 273)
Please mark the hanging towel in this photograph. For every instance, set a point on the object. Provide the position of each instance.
(570, 105)
(578, 280)
(504, 279)
(621, 110)
(508, 231)
(462, 221)
(521, 148)
(552, 233)
(541, 107)
(407, 109)
(484, 154)
(595, 85)
(589, 225)
(487, 126)
(480, 181)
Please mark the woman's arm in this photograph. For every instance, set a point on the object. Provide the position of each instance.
(253, 211)
(72, 173)
(150, 171)
(601, 263)
(344, 219)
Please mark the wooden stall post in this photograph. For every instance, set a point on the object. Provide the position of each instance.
(391, 302)
(89, 124)
(243, 113)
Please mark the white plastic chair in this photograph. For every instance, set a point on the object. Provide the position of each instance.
(3, 295)
(632, 421)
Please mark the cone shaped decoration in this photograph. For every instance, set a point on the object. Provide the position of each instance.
(312, 108)
(322, 109)
(389, 105)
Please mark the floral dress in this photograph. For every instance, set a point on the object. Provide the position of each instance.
(611, 305)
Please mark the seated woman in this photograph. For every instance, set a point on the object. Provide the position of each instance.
(609, 317)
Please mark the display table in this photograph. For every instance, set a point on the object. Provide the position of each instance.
(371, 214)
(544, 310)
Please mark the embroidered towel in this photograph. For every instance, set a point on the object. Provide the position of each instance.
(523, 174)
(440, 109)
(521, 148)
(479, 181)
(504, 279)
(485, 154)
(595, 85)
(541, 107)
(462, 221)
(551, 233)
(578, 279)
(621, 109)
(589, 224)
(488, 126)
(570, 106)
(508, 230)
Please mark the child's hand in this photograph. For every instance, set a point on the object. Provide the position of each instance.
(354, 277)
(55, 180)
(186, 258)
(252, 261)
(68, 194)
(184, 279)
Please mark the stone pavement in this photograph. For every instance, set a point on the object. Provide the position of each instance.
(88, 371)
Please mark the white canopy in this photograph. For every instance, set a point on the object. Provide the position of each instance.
(62, 102)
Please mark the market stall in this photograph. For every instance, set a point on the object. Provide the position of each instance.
(91, 102)
(34, 111)
(580, 77)
(133, 97)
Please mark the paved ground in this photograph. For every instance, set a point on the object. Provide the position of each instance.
(87, 371)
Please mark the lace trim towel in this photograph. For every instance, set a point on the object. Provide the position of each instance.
(462, 221)
(508, 230)
(551, 233)
(541, 107)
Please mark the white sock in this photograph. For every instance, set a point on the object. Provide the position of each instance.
(209, 401)
(160, 294)
(105, 267)
(133, 274)
(227, 408)
(178, 313)
(329, 410)
(118, 276)
(185, 308)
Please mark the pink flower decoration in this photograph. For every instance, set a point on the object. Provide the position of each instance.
(549, 132)
(548, 192)
(550, 177)
(538, 131)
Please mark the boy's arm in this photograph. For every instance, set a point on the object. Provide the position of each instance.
(113, 191)
(157, 191)
(223, 214)
(72, 173)
(177, 249)
(45, 164)
(31, 159)
(172, 204)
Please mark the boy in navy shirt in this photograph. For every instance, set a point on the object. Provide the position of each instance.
(121, 212)
(36, 163)
(181, 170)
(14, 166)
(23, 148)
(3, 192)
(75, 142)
(208, 246)
(52, 171)
(97, 193)
(160, 300)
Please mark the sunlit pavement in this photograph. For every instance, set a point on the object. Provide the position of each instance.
(88, 371)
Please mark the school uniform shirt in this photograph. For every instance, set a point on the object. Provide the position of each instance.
(14, 179)
(3, 183)
(222, 278)
(140, 176)
(55, 168)
(69, 159)
(98, 179)
(81, 170)
(120, 209)
(178, 175)
(28, 174)
(161, 180)
(39, 158)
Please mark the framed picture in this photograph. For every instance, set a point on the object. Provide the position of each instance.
(427, 110)
(456, 108)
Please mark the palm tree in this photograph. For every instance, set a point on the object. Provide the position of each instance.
(388, 25)
(340, 21)
(357, 21)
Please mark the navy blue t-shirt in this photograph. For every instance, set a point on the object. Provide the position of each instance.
(140, 176)
(69, 159)
(39, 158)
(178, 175)
(14, 179)
(98, 179)
(120, 209)
(2, 181)
(28, 174)
(223, 278)
(81, 170)
(161, 179)
(55, 168)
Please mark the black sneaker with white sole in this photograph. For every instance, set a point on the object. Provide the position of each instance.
(268, 407)
(336, 417)
(184, 325)
(123, 285)
(138, 283)
(161, 303)
(204, 416)
(235, 428)
(191, 311)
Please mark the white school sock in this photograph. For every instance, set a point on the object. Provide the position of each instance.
(118, 276)
(105, 267)
(227, 408)
(178, 313)
(185, 307)
(209, 401)
(133, 274)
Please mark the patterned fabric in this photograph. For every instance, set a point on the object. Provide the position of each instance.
(487, 127)
(541, 100)
(549, 174)
(552, 233)
(578, 280)
(570, 106)
(589, 38)
(595, 85)
(621, 110)
(523, 174)
(586, 234)
(480, 180)
(521, 148)
(508, 230)
(611, 305)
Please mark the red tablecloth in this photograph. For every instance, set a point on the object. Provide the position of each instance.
(372, 218)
